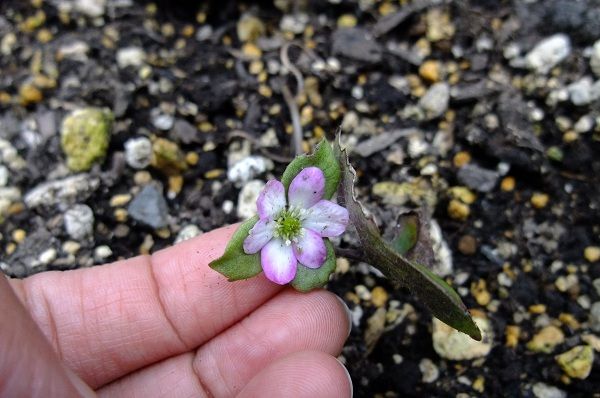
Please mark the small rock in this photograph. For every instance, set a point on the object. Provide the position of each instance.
(149, 207)
(478, 178)
(379, 296)
(85, 135)
(548, 53)
(91, 8)
(595, 317)
(546, 340)
(439, 25)
(457, 346)
(435, 101)
(246, 206)
(103, 252)
(429, 370)
(75, 51)
(79, 222)
(430, 70)
(250, 28)
(4, 173)
(10, 157)
(508, 184)
(187, 232)
(47, 256)
(584, 91)
(592, 253)
(71, 247)
(356, 44)
(130, 56)
(375, 328)
(539, 200)
(295, 23)
(160, 120)
(541, 390)
(458, 210)
(64, 191)
(577, 362)
(248, 169)
(467, 245)
(595, 59)
(185, 132)
(138, 152)
(167, 157)
(418, 192)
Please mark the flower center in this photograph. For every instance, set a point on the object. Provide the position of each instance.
(289, 225)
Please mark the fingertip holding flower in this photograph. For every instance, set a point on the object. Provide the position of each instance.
(291, 232)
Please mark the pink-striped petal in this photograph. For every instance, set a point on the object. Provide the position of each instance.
(278, 262)
(260, 234)
(310, 249)
(271, 200)
(327, 219)
(307, 188)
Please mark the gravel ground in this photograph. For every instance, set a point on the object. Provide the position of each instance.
(126, 127)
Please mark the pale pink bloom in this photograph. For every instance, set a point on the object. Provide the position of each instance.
(292, 232)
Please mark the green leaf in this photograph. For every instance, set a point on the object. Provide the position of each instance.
(322, 158)
(234, 263)
(437, 295)
(308, 279)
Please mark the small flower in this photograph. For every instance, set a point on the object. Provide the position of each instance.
(290, 233)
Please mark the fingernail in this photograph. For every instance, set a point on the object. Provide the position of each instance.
(349, 378)
(83, 389)
(348, 314)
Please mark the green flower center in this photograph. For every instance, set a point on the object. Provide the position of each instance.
(289, 225)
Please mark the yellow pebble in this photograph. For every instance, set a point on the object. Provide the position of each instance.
(379, 296)
(430, 71)
(479, 291)
(265, 90)
(119, 200)
(537, 309)
(507, 184)
(192, 158)
(463, 194)
(458, 210)
(342, 265)
(479, 384)
(163, 233)
(346, 21)
(251, 50)
(142, 177)
(206, 127)
(256, 67)
(461, 158)
(10, 248)
(386, 8)
(44, 36)
(570, 136)
(187, 31)
(175, 184)
(18, 235)
(592, 253)
(121, 215)
(539, 200)
(29, 94)
(212, 174)
(569, 320)
(512, 335)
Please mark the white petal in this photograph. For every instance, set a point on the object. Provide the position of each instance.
(278, 262)
(310, 249)
(327, 218)
(307, 188)
(271, 200)
(260, 234)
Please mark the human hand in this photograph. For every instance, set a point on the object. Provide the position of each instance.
(168, 325)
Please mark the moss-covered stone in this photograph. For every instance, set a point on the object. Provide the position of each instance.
(167, 157)
(85, 135)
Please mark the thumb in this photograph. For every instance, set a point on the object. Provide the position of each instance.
(29, 367)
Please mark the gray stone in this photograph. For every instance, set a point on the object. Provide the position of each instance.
(382, 141)
(4, 174)
(584, 91)
(130, 56)
(9, 156)
(357, 44)
(160, 120)
(542, 390)
(188, 232)
(548, 53)
(478, 178)
(101, 253)
(595, 317)
(185, 132)
(75, 51)
(246, 206)
(138, 152)
(295, 23)
(595, 59)
(79, 222)
(248, 169)
(149, 207)
(435, 101)
(91, 8)
(65, 191)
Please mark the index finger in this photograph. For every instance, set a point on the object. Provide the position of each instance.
(107, 321)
